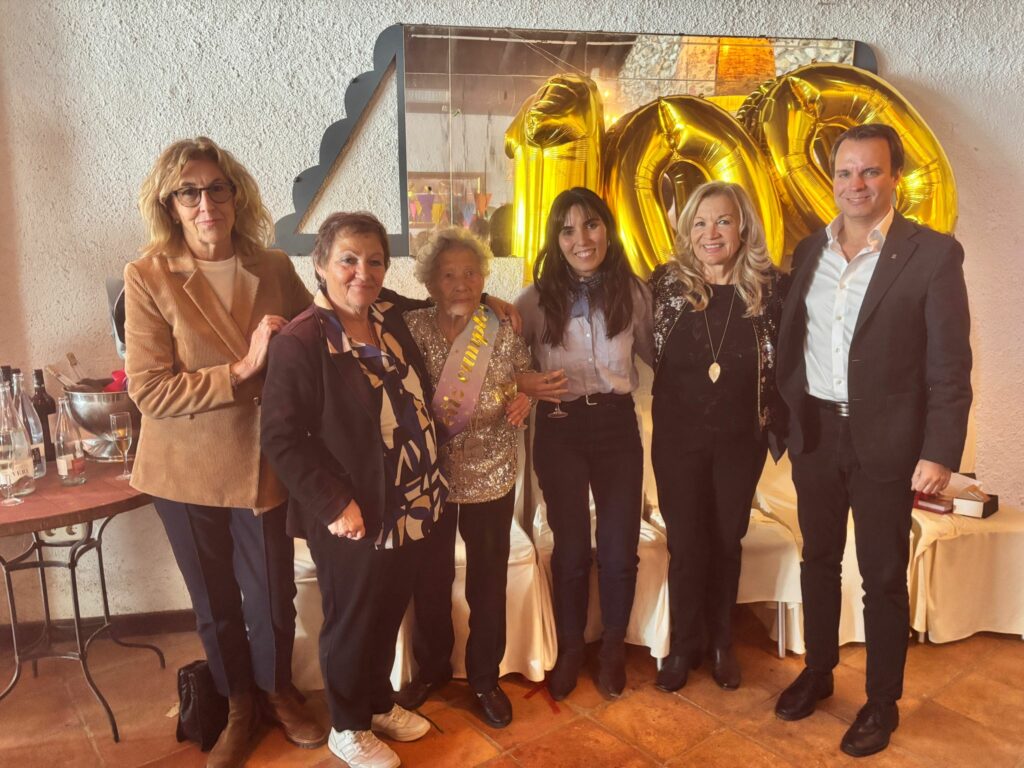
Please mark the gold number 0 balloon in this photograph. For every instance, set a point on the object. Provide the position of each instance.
(660, 138)
(797, 119)
(555, 144)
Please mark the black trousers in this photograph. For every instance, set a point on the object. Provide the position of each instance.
(595, 449)
(240, 572)
(829, 480)
(704, 495)
(364, 591)
(485, 529)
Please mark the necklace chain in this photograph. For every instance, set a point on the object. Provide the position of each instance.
(715, 370)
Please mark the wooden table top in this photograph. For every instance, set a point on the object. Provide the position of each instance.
(54, 505)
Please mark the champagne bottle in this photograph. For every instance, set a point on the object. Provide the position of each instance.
(46, 408)
(33, 427)
(68, 444)
(16, 469)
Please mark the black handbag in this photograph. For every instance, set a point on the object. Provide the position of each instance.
(202, 711)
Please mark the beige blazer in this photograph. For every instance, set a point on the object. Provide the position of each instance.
(200, 439)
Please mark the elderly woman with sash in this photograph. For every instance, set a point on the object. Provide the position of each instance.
(472, 359)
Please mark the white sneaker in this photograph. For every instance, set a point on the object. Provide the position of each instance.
(400, 724)
(361, 749)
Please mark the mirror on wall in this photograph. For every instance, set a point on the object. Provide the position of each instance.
(457, 92)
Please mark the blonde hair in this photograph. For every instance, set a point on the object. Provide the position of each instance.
(254, 228)
(439, 241)
(752, 266)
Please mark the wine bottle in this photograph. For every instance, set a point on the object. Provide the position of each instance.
(68, 444)
(46, 408)
(16, 472)
(33, 426)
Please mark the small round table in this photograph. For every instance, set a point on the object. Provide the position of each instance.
(71, 519)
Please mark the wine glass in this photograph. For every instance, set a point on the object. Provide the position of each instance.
(7, 466)
(558, 413)
(121, 434)
(509, 391)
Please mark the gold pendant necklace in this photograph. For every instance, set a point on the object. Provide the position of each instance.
(715, 370)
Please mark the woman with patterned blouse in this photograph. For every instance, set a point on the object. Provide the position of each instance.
(715, 412)
(347, 425)
(586, 317)
(473, 360)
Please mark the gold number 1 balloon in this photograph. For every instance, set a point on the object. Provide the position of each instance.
(689, 140)
(555, 144)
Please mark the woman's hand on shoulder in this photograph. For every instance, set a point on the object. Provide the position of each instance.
(255, 359)
(543, 385)
(505, 311)
(349, 524)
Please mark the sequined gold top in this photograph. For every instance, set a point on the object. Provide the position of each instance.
(479, 462)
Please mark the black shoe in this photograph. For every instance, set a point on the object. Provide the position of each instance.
(725, 669)
(871, 730)
(800, 699)
(562, 679)
(415, 692)
(674, 671)
(495, 708)
(611, 669)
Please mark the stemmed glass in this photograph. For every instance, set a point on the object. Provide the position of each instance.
(7, 475)
(509, 391)
(121, 434)
(558, 413)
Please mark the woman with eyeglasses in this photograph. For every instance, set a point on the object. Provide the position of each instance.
(201, 304)
(585, 318)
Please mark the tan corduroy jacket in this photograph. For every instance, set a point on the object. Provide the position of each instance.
(200, 439)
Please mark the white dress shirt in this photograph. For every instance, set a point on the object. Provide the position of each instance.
(833, 303)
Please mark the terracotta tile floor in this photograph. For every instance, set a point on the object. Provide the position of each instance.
(964, 706)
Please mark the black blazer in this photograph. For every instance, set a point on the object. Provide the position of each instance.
(910, 356)
(320, 425)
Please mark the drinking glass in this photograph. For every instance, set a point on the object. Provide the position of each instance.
(121, 434)
(509, 391)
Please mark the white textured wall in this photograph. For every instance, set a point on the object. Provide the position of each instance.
(91, 90)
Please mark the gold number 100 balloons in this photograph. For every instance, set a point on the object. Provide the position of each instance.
(777, 149)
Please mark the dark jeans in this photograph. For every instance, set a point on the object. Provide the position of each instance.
(595, 449)
(829, 480)
(240, 572)
(365, 592)
(485, 529)
(704, 495)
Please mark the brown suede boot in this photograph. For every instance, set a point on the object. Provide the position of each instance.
(286, 708)
(239, 735)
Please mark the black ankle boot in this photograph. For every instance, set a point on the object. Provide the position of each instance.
(611, 670)
(562, 679)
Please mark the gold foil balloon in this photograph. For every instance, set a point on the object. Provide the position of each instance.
(687, 140)
(555, 144)
(797, 120)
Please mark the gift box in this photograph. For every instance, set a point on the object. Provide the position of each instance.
(976, 507)
(969, 499)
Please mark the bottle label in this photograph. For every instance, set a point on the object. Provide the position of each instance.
(15, 470)
(63, 464)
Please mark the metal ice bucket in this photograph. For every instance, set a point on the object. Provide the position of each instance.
(92, 412)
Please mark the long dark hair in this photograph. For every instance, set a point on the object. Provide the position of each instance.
(554, 277)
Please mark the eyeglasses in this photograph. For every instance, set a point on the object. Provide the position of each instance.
(219, 192)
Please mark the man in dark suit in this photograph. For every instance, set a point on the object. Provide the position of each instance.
(874, 364)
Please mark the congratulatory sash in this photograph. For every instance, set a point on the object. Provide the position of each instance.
(462, 378)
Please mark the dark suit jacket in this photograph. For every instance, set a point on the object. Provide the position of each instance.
(910, 357)
(321, 424)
